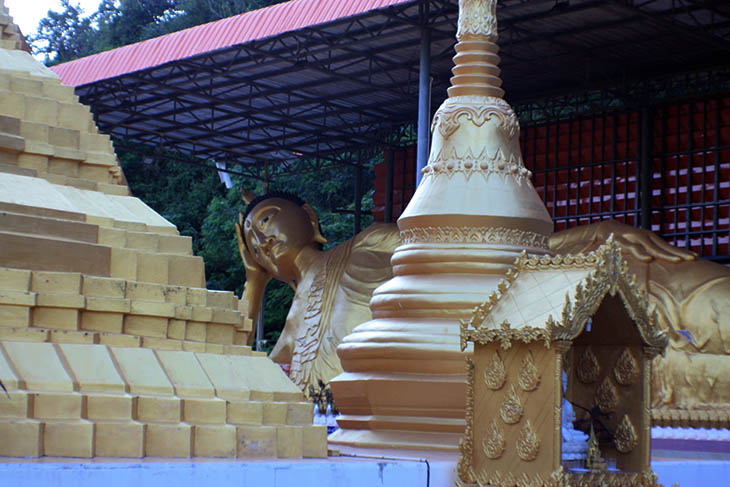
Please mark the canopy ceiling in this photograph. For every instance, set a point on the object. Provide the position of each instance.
(307, 83)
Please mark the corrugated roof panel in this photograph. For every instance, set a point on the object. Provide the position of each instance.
(258, 24)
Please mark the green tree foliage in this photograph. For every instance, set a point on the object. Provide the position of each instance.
(65, 35)
(189, 13)
(218, 242)
(128, 21)
(179, 192)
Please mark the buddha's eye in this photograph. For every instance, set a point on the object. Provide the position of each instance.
(264, 217)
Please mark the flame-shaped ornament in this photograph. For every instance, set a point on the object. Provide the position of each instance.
(588, 368)
(528, 445)
(606, 397)
(627, 369)
(626, 438)
(528, 379)
(511, 409)
(494, 374)
(493, 445)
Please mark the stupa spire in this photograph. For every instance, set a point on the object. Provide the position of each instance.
(475, 153)
(476, 64)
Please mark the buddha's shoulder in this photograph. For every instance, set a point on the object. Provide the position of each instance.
(378, 236)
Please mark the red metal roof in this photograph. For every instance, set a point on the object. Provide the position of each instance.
(248, 26)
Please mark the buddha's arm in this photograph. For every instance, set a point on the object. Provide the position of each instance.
(369, 264)
(256, 277)
(641, 244)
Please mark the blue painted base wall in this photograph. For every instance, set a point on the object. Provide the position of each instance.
(303, 473)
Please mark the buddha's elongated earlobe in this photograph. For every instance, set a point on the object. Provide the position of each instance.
(318, 237)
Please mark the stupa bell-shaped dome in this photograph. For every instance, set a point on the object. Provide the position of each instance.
(475, 144)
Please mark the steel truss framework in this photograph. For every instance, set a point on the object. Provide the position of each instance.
(322, 95)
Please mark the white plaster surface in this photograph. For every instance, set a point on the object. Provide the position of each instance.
(14, 60)
(37, 192)
(669, 433)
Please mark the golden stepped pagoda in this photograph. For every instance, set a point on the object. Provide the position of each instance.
(110, 343)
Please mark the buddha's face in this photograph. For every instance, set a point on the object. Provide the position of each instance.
(276, 230)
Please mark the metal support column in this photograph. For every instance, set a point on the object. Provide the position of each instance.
(260, 325)
(424, 94)
(358, 196)
(260, 317)
(388, 185)
(645, 163)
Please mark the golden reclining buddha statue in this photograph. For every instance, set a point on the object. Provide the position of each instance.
(280, 238)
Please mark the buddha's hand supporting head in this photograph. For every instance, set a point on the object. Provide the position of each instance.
(256, 276)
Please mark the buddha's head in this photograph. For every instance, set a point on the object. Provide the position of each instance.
(277, 226)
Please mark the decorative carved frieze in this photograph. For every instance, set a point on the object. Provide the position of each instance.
(484, 235)
(608, 479)
(476, 110)
(450, 163)
(560, 478)
(466, 444)
(504, 334)
(477, 17)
